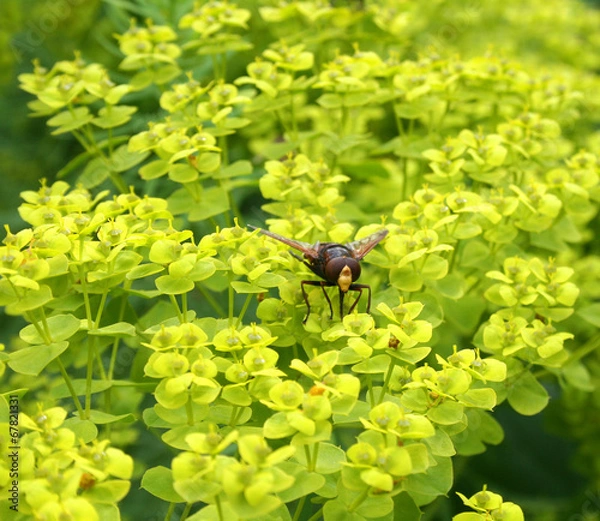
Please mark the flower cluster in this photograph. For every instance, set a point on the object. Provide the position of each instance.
(62, 475)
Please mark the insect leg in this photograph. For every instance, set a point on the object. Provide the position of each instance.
(359, 288)
(341, 304)
(320, 283)
(323, 284)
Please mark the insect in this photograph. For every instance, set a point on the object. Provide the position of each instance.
(337, 264)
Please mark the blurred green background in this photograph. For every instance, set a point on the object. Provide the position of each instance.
(535, 466)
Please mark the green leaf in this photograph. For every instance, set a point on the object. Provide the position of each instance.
(159, 482)
(102, 418)
(481, 398)
(108, 492)
(33, 299)
(425, 487)
(446, 413)
(469, 516)
(405, 508)
(32, 360)
(114, 116)
(375, 507)
(122, 159)
(451, 286)
(170, 285)
(330, 101)
(435, 267)
(329, 459)
(336, 511)
(84, 430)
(405, 279)
(107, 512)
(183, 173)
(210, 513)
(214, 201)
(208, 162)
(245, 287)
(118, 329)
(305, 482)
(237, 169)
(411, 355)
(60, 327)
(374, 365)
(144, 270)
(79, 386)
(527, 396)
(590, 313)
(154, 169)
(94, 173)
(236, 395)
(70, 120)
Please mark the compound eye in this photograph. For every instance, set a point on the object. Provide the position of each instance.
(335, 266)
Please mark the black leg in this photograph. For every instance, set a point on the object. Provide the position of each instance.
(323, 285)
(341, 303)
(359, 288)
(357, 299)
(320, 283)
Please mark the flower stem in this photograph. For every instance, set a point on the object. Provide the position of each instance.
(219, 508)
(244, 309)
(357, 502)
(211, 301)
(70, 387)
(177, 309)
(186, 511)
(388, 377)
(170, 511)
(317, 515)
(299, 508)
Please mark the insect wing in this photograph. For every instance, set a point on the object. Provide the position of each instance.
(308, 249)
(363, 246)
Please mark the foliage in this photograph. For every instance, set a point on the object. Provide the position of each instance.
(148, 304)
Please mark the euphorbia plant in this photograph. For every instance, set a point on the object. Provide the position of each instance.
(352, 416)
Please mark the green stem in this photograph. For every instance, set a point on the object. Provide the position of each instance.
(170, 511)
(184, 306)
(316, 454)
(86, 298)
(244, 309)
(219, 508)
(70, 387)
(294, 134)
(176, 306)
(100, 309)
(189, 409)
(212, 301)
(309, 463)
(231, 298)
(370, 390)
(589, 347)
(356, 503)
(88, 376)
(232, 418)
(317, 515)
(115, 346)
(387, 379)
(299, 508)
(114, 176)
(344, 121)
(186, 511)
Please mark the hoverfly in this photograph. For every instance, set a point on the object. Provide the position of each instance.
(337, 264)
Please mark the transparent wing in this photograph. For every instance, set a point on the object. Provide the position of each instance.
(363, 246)
(308, 249)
